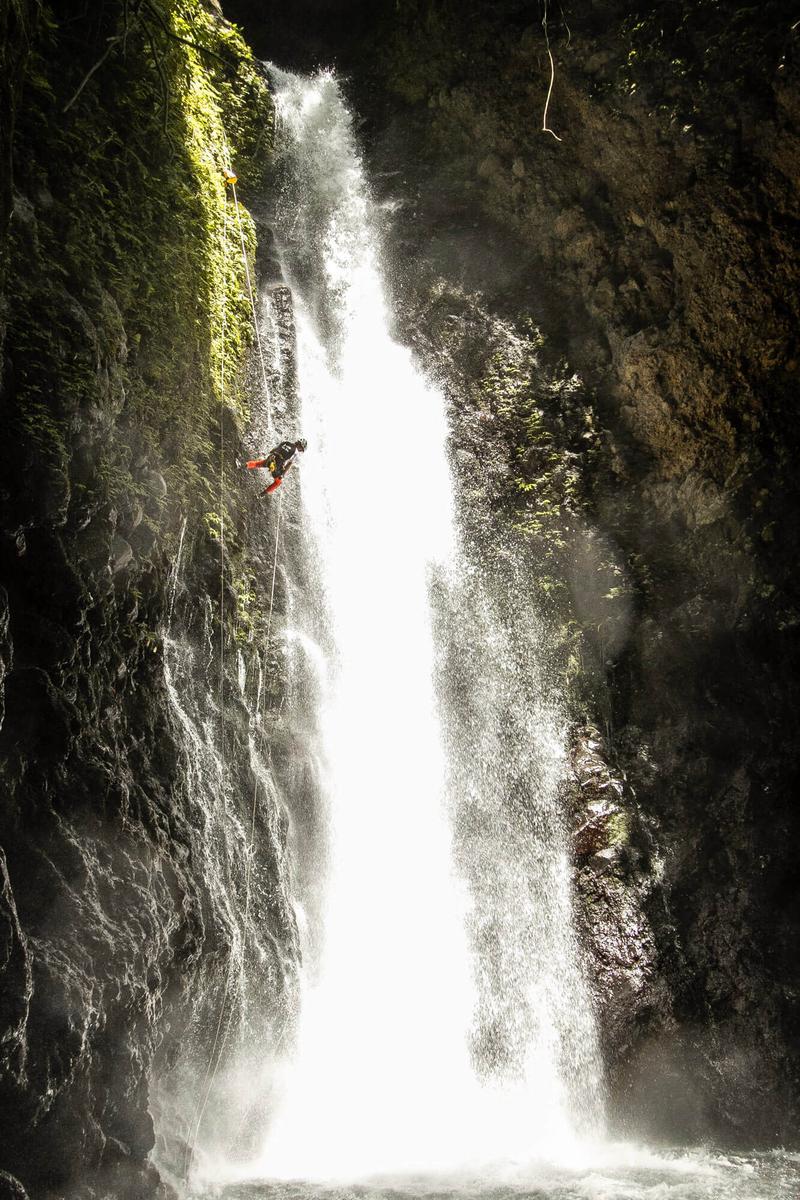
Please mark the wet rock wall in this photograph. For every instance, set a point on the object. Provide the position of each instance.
(612, 303)
(122, 292)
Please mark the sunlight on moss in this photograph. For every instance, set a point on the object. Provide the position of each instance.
(133, 290)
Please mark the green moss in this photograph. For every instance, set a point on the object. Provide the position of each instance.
(549, 423)
(618, 829)
(250, 614)
(546, 420)
(45, 436)
(129, 318)
(696, 62)
(408, 74)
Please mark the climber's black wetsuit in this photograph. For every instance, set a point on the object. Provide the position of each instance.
(281, 458)
(278, 461)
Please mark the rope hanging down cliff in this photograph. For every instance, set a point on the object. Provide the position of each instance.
(231, 179)
(218, 1045)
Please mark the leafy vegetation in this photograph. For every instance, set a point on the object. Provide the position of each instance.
(697, 63)
(547, 420)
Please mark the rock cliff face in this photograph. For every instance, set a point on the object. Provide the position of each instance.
(618, 309)
(121, 917)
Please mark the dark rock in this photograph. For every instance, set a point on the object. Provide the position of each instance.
(15, 992)
(142, 539)
(11, 1188)
(654, 250)
(121, 554)
(272, 272)
(134, 517)
(5, 649)
(156, 484)
(111, 931)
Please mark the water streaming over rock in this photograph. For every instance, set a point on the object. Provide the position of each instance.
(208, 1099)
(444, 1018)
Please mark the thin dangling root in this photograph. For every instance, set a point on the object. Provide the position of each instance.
(545, 127)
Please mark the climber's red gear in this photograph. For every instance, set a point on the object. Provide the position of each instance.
(278, 462)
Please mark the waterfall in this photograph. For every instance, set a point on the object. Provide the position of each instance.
(444, 1017)
(391, 987)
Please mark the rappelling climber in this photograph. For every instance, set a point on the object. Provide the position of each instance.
(278, 462)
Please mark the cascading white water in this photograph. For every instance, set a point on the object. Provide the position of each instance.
(405, 985)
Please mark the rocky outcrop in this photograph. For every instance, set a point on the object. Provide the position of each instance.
(624, 927)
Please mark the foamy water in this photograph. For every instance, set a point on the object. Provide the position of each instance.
(611, 1173)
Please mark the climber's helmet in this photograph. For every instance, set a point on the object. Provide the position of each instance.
(301, 445)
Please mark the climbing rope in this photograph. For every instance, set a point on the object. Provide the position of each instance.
(274, 568)
(263, 736)
(218, 1046)
(208, 1081)
(232, 181)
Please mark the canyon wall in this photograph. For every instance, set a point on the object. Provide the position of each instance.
(612, 302)
(122, 856)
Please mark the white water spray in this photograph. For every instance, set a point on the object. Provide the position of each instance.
(384, 1075)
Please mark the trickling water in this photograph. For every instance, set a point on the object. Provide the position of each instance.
(203, 1098)
(444, 1018)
